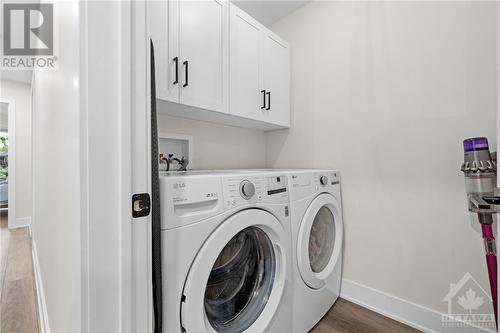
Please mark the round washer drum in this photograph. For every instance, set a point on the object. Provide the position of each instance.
(236, 281)
(240, 282)
(319, 241)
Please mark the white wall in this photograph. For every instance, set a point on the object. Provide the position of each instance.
(218, 146)
(56, 177)
(20, 93)
(386, 92)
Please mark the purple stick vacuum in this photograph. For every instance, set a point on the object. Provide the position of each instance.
(480, 183)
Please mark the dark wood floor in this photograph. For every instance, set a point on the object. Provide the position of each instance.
(18, 307)
(347, 317)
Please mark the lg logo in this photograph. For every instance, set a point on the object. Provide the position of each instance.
(28, 29)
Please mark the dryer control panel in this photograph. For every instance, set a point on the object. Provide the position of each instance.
(326, 179)
(304, 183)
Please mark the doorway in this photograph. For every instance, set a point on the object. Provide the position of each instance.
(16, 149)
(7, 160)
(4, 156)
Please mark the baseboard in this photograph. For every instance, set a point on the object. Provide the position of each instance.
(42, 307)
(21, 222)
(409, 313)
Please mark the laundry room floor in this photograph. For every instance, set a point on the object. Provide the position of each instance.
(18, 307)
(347, 317)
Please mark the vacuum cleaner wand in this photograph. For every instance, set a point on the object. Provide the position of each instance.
(491, 256)
(480, 182)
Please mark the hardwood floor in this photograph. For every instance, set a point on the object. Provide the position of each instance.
(18, 308)
(347, 317)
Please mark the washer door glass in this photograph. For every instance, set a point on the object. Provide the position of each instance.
(241, 281)
(321, 239)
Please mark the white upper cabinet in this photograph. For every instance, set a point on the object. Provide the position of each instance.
(220, 63)
(259, 71)
(246, 98)
(276, 74)
(204, 52)
(191, 52)
(164, 28)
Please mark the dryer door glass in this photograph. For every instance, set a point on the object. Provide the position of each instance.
(321, 239)
(241, 281)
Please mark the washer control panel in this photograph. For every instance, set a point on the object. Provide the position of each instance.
(276, 184)
(194, 196)
(245, 189)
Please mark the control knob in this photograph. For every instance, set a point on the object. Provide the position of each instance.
(323, 180)
(247, 189)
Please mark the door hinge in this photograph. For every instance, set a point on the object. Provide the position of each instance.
(141, 205)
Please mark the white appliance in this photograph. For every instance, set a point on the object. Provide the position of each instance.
(226, 255)
(317, 243)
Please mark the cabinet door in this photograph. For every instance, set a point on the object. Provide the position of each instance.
(245, 69)
(276, 73)
(204, 54)
(164, 30)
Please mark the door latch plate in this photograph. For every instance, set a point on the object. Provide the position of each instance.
(141, 205)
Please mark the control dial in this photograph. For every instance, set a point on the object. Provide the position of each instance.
(323, 180)
(247, 189)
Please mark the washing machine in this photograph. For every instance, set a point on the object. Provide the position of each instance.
(317, 244)
(226, 252)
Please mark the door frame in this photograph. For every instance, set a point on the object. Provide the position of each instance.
(11, 126)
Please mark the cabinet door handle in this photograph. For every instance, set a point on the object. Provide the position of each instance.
(268, 100)
(176, 60)
(186, 68)
(263, 99)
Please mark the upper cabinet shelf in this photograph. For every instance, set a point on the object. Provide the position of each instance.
(216, 63)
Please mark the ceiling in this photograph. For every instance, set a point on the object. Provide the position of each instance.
(269, 12)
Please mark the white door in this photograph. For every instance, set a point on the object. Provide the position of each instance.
(319, 241)
(236, 281)
(164, 31)
(276, 72)
(246, 93)
(136, 178)
(204, 58)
